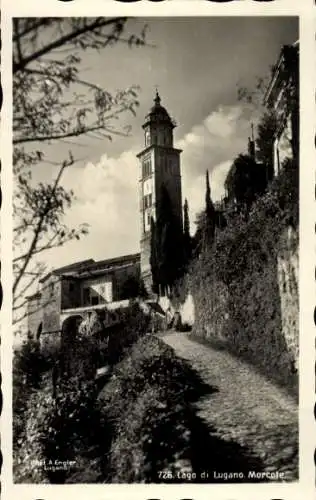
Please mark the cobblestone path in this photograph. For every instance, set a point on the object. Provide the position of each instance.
(246, 408)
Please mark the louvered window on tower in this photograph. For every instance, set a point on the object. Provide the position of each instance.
(147, 138)
(147, 201)
(146, 168)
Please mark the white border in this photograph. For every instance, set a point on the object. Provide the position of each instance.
(294, 491)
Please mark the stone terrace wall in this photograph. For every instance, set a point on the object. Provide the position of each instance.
(288, 269)
(257, 315)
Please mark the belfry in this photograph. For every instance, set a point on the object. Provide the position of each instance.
(159, 166)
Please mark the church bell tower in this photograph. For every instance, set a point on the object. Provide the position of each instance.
(159, 166)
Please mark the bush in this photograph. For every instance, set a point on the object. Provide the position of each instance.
(134, 325)
(63, 419)
(68, 425)
(147, 400)
(67, 428)
(28, 368)
(29, 452)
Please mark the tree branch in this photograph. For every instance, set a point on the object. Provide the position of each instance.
(98, 23)
(47, 246)
(38, 228)
(18, 41)
(55, 137)
(44, 21)
(24, 290)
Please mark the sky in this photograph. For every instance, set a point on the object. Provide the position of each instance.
(197, 65)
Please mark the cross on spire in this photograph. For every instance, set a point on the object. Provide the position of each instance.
(157, 97)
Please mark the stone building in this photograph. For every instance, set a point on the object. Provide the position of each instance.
(282, 96)
(159, 165)
(72, 292)
(76, 290)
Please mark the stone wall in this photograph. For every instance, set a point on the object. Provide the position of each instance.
(146, 186)
(51, 303)
(35, 315)
(282, 147)
(288, 270)
(256, 316)
(145, 262)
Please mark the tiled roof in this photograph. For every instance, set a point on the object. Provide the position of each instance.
(90, 266)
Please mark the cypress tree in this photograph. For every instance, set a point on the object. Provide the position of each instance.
(209, 214)
(187, 243)
(154, 256)
(169, 237)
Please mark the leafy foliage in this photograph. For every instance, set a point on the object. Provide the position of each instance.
(134, 325)
(133, 287)
(187, 240)
(72, 424)
(65, 422)
(239, 303)
(148, 401)
(209, 214)
(28, 366)
(245, 181)
(266, 131)
(206, 222)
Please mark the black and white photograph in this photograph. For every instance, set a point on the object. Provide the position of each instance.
(155, 301)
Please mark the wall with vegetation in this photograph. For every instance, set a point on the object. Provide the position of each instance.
(245, 286)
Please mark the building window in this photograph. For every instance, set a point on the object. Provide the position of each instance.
(147, 221)
(146, 168)
(147, 138)
(147, 201)
(86, 296)
(51, 288)
(94, 300)
(71, 287)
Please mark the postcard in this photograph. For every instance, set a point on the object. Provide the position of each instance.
(157, 250)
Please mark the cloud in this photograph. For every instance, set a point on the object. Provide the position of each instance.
(194, 190)
(106, 199)
(212, 145)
